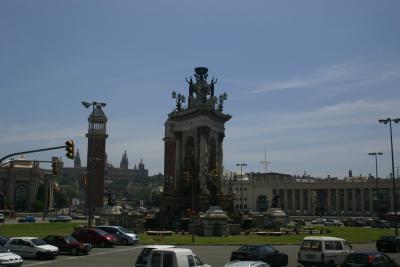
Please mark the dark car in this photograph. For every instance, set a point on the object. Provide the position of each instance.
(382, 224)
(361, 259)
(265, 253)
(388, 243)
(28, 218)
(94, 236)
(3, 240)
(68, 244)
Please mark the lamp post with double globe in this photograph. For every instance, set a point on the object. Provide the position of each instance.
(386, 121)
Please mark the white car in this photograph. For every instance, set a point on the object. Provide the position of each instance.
(141, 260)
(31, 247)
(9, 259)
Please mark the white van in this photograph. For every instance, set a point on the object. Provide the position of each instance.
(323, 251)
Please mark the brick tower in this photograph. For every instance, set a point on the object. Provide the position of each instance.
(96, 157)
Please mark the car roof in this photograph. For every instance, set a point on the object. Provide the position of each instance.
(24, 237)
(160, 246)
(178, 250)
(323, 238)
(238, 263)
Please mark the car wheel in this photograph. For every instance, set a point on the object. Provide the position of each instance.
(124, 242)
(74, 251)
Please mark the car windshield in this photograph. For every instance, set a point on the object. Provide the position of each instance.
(248, 248)
(3, 249)
(100, 232)
(70, 239)
(123, 230)
(387, 238)
(313, 245)
(38, 242)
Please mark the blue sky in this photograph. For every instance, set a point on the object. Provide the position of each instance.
(307, 79)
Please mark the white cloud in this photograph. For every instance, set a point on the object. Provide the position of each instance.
(341, 75)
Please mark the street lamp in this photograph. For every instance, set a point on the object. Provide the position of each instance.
(376, 172)
(241, 183)
(385, 121)
(92, 161)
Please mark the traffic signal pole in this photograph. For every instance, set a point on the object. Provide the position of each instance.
(69, 146)
(31, 151)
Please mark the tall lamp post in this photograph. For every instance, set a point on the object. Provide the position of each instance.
(241, 183)
(376, 172)
(92, 161)
(385, 121)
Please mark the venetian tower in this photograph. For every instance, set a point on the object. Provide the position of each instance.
(193, 149)
(96, 156)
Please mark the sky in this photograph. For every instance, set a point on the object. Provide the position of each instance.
(307, 80)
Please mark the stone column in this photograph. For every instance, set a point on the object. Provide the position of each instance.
(178, 159)
(362, 202)
(203, 133)
(309, 208)
(285, 199)
(328, 202)
(337, 196)
(220, 158)
(371, 207)
(294, 201)
(301, 201)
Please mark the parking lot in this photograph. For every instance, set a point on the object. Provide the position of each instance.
(122, 256)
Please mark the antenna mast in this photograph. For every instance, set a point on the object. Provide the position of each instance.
(265, 162)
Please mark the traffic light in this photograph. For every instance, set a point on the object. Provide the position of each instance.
(55, 165)
(70, 148)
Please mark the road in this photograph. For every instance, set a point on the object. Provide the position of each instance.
(120, 256)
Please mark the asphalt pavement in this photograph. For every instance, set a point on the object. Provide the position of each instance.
(121, 256)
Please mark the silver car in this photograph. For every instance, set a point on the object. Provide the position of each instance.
(124, 236)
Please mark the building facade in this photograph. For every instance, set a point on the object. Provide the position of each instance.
(351, 196)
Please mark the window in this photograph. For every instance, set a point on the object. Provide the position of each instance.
(168, 260)
(190, 260)
(156, 259)
(329, 245)
(245, 206)
(197, 261)
(338, 245)
(245, 199)
(313, 245)
(245, 189)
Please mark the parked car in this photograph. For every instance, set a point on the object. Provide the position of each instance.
(265, 253)
(388, 243)
(28, 218)
(94, 236)
(333, 222)
(323, 250)
(9, 259)
(246, 264)
(60, 218)
(2, 217)
(318, 221)
(365, 259)
(141, 260)
(3, 240)
(174, 257)
(382, 224)
(31, 247)
(68, 244)
(124, 236)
